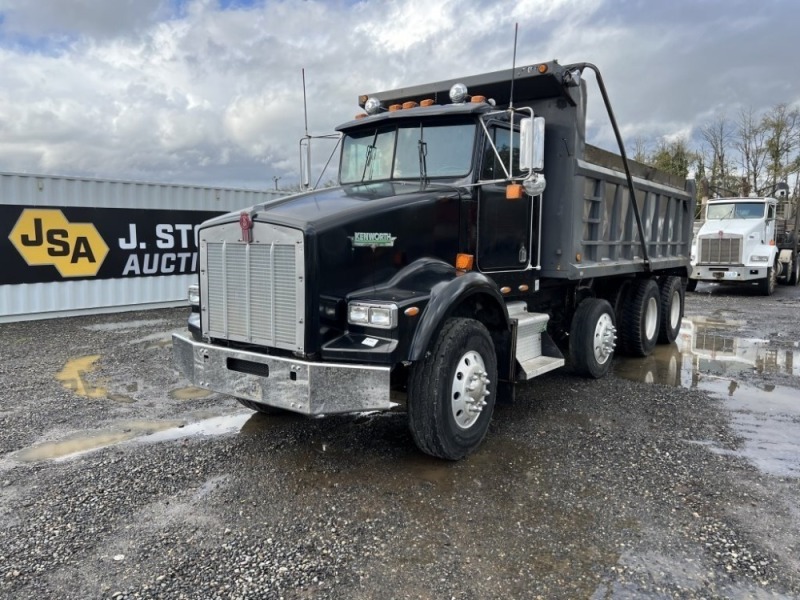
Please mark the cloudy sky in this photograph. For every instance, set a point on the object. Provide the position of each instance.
(210, 91)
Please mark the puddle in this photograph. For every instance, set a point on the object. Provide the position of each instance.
(93, 440)
(72, 376)
(189, 393)
(125, 325)
(709, 356)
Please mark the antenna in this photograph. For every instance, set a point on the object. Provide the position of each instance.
(513, 68)
(305, 170)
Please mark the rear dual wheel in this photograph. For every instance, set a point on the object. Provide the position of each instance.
(640, 318)
(672, 301)
(592, 338)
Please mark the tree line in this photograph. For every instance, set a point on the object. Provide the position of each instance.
(748, 154)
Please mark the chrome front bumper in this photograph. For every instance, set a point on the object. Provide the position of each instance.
(309, 388)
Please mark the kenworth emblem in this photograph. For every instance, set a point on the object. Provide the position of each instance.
(372, 240)
(246, 223)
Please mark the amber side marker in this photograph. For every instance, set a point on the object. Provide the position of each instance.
(465, 262)
(514, 191)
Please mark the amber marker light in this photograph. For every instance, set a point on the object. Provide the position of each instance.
(411, 311)
(523, 288)
(427, 102)
(361, 116)
(410, 104)
(542, 68)
(395, 107)
(464, 262)
(578, 257)
(478, 99)
(505, 289)
(514, 191)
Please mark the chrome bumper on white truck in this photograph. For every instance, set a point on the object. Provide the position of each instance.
(309, 388)
(728, 273)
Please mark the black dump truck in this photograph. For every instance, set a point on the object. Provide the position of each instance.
(475, 241)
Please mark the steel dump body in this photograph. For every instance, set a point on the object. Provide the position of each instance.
(588, 223)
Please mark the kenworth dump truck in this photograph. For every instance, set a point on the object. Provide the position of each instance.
(474, 242)
(752, 241)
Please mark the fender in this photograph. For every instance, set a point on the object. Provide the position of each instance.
(445, 297)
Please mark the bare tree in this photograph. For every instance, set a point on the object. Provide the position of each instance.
(717, 136)
(782, 130)
(639, 149)
(751, 143)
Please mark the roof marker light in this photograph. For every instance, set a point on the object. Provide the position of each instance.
(427, 102)
(458, 93)
(410, 104)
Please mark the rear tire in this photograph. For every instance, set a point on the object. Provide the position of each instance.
(639, 325)
(794, 278)
(766, 286)
(592, 338)
(263, 408)
(452, 391)
(672, 301)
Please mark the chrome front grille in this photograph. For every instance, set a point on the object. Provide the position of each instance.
(253, 292)
(721, 251)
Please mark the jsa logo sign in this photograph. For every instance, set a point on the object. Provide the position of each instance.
(45, 237)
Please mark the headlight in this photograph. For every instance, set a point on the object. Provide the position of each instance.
(759, 258)
(383, 316)
(194, 294)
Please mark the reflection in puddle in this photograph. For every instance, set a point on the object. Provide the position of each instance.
(93, 440)
(189, 393)
(125, 325)
(72, 376)
(709, 356)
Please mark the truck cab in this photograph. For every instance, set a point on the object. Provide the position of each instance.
(743, 241)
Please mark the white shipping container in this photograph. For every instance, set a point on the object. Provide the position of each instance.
(74, 246)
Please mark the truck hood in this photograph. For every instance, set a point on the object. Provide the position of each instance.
(329, 207)
(742, 227)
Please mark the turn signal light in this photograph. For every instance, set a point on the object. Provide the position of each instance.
(465, 262)
(514, 191)
(411, 311)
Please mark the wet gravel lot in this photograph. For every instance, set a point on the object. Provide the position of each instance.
(677, 476)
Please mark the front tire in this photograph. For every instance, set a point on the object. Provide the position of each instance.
(451, 392)
(672, 300)
(592, 338)
(767, 285)
(639, 324)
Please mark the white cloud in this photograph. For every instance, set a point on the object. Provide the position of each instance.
(208, 95)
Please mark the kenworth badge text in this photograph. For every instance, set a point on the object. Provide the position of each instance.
(474, 241)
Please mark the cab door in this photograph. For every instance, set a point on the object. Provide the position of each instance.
(504, 226)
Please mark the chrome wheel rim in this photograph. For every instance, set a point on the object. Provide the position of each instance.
(605, 338)
(651, 318)
(469, 389)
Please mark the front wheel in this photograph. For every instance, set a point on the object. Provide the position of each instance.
(592, 338)
(767, 285)
(451, 392)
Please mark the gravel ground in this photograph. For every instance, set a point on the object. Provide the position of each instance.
(674, 477)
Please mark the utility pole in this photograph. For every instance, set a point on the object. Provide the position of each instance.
(275, 178)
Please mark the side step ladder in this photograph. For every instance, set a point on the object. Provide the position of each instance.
(530, 332)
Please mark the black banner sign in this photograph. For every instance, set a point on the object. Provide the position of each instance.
(46, 244)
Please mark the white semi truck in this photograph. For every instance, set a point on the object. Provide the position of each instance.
(752, 241)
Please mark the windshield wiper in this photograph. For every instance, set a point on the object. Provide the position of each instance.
(370, 155)
(423, 156)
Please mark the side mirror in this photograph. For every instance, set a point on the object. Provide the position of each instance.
(531, 144)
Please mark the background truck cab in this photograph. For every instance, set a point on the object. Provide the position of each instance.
(749, 241)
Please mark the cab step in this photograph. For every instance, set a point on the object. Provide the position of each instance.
(530, 333)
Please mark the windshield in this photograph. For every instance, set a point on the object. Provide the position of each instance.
(407, 151)
(736, 210)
